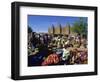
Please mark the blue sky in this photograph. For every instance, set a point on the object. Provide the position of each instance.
(40, 23)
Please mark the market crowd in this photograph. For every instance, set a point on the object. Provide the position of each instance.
(45, 49)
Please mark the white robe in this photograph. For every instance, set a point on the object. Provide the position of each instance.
(65, 55)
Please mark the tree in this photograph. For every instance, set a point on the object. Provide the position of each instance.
(29, 29)
(80, 27)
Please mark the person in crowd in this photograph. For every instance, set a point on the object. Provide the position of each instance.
(66, 54)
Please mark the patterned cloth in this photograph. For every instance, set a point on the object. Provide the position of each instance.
(51, 59)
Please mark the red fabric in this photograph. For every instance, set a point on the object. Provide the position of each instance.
(51, 59)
